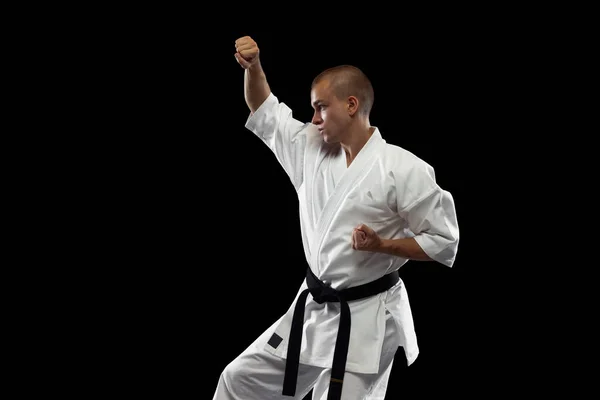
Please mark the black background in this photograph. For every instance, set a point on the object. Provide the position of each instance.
(196, 245)
(234, 258)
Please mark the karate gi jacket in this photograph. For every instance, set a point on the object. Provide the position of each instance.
(385, 187)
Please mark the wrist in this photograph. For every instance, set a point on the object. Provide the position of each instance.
(255, 66)
(384, 246)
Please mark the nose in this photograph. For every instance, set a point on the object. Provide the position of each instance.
(317, 119)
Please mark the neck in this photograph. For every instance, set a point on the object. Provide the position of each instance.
(355, 140)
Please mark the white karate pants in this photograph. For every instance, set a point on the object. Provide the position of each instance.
(257, 375)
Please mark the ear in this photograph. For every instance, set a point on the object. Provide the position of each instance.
(352, 105)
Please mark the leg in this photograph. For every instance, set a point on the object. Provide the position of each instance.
(258, 375)
(365, 386)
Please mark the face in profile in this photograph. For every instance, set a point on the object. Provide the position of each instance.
(331, 114)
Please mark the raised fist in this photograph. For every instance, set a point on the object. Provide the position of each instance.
(246, 51)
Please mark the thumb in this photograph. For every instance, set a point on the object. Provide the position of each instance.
(245, 64)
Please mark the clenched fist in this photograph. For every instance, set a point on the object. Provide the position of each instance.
(246, 51)
(365, 238)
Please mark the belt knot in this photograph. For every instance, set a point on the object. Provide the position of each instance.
(325, 293)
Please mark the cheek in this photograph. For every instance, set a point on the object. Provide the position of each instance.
(329, 118)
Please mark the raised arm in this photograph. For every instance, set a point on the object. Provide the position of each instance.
(271, 120)
(256, 88)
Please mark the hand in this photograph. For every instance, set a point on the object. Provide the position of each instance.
(365, 239)
(246, 51)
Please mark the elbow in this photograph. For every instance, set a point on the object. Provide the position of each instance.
(437, 248)
(448, 254)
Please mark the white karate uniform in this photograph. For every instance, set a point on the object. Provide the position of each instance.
(385, 187)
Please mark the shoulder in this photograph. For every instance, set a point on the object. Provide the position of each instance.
(406, 163)
(411, 177)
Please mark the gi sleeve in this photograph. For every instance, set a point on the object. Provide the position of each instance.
(274, 124)
(430, 213)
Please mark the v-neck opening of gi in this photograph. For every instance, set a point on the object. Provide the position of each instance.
(339, 193)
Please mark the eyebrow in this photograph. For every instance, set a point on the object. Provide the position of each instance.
(317, 102)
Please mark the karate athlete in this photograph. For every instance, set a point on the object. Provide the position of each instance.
(366, 208)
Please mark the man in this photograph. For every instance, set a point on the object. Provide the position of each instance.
(366, 208)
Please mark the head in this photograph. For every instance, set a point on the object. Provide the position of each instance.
(342, 98)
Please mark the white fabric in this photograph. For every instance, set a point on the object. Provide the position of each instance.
(387, 188)
(258, 375)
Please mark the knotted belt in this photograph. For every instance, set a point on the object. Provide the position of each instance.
(321, 293)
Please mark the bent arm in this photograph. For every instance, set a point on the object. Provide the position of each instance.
(256, 88)
(407, 248)
(430, 216)
(433, 221)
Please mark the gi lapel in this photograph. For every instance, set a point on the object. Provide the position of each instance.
(313, 157)
(364, 159)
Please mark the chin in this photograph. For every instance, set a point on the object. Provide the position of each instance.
(328, 139)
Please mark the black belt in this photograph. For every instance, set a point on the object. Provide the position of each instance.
(321, 293)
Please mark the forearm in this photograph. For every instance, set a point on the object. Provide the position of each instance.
(405, 248)
(256, 88)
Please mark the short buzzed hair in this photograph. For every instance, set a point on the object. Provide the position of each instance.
(348, 80)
